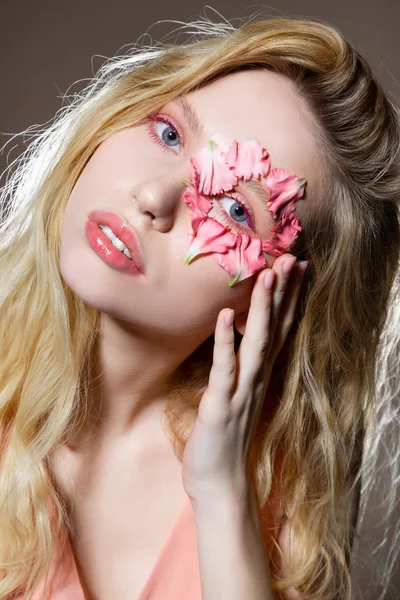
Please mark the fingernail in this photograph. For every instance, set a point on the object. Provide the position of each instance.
(228, 318)
(288, 264)
(303, 266)
(268, 280)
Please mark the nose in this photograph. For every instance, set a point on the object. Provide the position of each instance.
(159, 200)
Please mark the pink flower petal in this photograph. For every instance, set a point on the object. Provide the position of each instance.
(248, 159)
(194, 176)
(283, 236)
(244, 259)
(211, 236)
(231, 154)
(211, 173)
(196, 218)
(197, 201)
(285, 189)
(199, 204)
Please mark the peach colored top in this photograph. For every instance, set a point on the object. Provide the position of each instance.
(176, 573)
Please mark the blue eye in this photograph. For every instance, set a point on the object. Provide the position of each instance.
(235, 210)
(164, 133)
(169, 134)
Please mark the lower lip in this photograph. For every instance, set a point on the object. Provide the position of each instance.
(108, 253)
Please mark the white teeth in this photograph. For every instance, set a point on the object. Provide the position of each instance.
(115, 241)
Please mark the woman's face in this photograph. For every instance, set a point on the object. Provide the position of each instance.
(136, 173)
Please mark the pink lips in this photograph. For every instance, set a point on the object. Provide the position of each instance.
(102, 245)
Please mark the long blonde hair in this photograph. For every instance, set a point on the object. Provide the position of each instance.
(327, 409)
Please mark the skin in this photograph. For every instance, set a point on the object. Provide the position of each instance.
(150, 323)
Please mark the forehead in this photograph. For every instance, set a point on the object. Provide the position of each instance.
(266, 106)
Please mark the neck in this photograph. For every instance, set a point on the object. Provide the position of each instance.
(130, 374)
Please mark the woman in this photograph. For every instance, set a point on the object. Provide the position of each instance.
(151, 448)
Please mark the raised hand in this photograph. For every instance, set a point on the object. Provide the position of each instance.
(217, 452)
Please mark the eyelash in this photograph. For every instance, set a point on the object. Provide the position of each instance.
(153, 134)
(226, 219)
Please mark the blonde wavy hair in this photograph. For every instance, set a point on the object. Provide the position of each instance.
(327, 382)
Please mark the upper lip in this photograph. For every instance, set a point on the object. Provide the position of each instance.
(122, 230)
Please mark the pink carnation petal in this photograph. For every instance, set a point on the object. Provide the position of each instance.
(211, 236)
(283, 236)
(269, 248)
(197, 201)
(199, 204)
(231, 154)
(244, 259)
(196, 218)
(194, 180)
(211, 173)
(252, 160)
(284, 188)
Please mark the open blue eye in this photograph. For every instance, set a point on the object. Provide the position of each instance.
(165, 133)
(168, 134)
(235, 214)
(236, 211)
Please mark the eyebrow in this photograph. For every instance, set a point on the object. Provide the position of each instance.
(191, 117)
(199, 133)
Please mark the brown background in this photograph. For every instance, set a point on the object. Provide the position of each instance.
(48, 45)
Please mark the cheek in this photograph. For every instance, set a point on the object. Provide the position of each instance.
(184, 302)
(203, 288)
(206, 289)
(198, 311)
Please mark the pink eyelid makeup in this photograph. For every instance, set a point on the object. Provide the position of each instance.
(155, 118)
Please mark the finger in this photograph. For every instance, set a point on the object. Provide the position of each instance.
(257, 348)
(288, 309)
(256, 340)
(282, 266)
(223, 371)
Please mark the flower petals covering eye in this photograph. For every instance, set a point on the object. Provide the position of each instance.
(215, 172)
